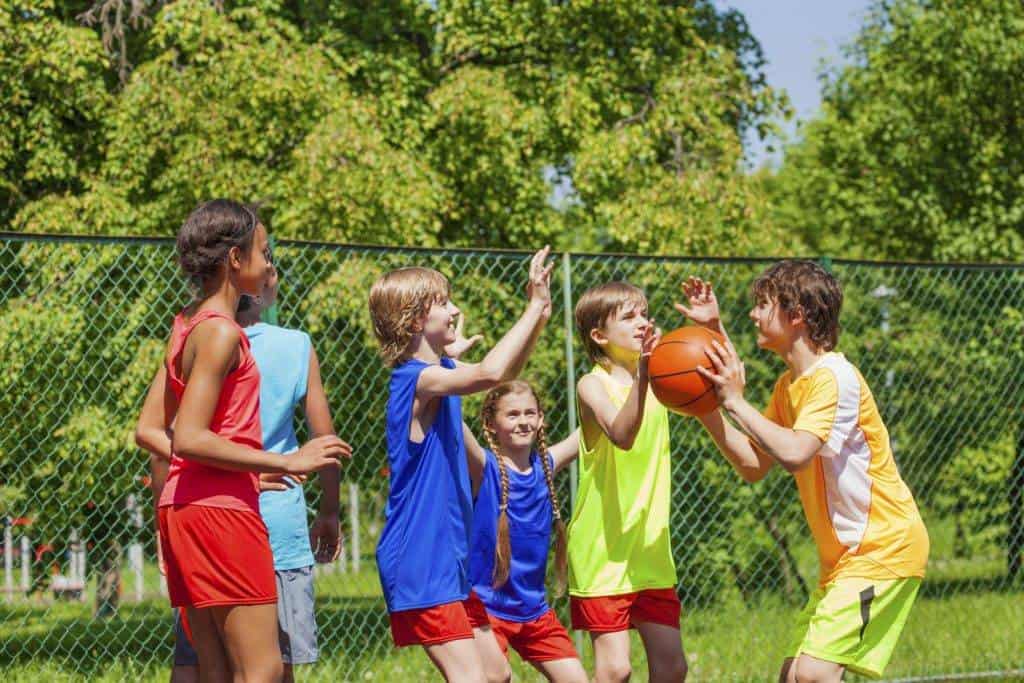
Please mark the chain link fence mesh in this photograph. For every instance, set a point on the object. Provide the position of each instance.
(83, 323)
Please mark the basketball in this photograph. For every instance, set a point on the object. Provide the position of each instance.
(673, 370)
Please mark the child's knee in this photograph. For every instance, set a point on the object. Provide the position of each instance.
(672, 668)
(498, 672)
(617, 671)
(809, 671)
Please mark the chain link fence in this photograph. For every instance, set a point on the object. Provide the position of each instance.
(83, 323)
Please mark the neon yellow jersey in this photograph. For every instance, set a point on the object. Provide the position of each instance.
(863, 517)
(619, 535)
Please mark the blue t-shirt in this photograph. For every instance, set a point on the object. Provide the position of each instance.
(522, 598)
(282, 356)
(423, 551)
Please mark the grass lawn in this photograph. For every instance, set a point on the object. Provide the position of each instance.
(967, 619)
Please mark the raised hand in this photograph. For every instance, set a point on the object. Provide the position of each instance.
(318, 453)
(459, 347)
(728, 376)
(703, 304)
(538, 287)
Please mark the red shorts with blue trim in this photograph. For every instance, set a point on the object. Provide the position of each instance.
(543, 639)
(612, 613)
(431, 625)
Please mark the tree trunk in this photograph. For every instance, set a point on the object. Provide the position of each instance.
(108, 586)
(1015, 531)
(796, 587)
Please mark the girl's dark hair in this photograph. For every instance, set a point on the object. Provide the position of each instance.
(503, 545)
(209, 233)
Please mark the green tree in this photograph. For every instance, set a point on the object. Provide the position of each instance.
(918, 151)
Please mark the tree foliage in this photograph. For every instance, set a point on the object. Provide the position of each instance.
(918, 152)
(395, 123)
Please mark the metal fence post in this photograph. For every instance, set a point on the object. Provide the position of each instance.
(570, 389)
(570, 367)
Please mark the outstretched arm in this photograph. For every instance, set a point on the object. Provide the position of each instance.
(736, 447)
(792, 449)
(508, 356)
(566, 450)
(475, 457)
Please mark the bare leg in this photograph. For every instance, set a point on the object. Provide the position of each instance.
(788, 672)
(457, 660)
(213, 659)
(666, 661)
(184, 674)
(569, 670)
(813, 670)
(611, 657)
(249, 633)
(496, 668)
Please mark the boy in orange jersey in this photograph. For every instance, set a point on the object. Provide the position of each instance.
(822, 426)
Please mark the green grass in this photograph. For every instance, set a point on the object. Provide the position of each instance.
(967, 619)
(955, 627)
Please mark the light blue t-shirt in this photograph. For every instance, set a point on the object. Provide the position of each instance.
(282, 356)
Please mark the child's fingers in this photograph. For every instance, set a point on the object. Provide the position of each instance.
(709, 376)
(716, 359)
(683, 309)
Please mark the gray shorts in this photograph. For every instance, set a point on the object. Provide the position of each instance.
(296, 624)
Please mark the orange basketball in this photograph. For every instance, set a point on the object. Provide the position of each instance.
(673, 370)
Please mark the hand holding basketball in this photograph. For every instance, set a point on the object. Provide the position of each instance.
(729, 376)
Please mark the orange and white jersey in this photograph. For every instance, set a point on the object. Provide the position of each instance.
(862, 515)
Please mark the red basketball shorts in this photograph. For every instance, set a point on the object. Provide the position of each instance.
(216, 556)
(431, 625)
(622, 612)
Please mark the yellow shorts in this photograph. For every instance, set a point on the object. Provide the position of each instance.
(855, 622)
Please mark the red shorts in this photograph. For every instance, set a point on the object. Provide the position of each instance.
(477, 612)
(542, 640)
(431, 625)
(622, 612)
(216, 556)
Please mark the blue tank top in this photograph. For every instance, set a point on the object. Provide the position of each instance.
(523, 597)
(422, 555)
(282, 356)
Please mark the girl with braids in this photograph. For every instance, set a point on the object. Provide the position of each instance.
(516, 505)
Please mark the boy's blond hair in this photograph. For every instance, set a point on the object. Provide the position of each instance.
(398, 300)
(600, 303)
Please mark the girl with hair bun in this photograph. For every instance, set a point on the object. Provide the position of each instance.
(215, 545)
(515, 509)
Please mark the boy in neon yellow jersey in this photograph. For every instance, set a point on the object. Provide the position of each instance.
(822, 425)
(621, 573)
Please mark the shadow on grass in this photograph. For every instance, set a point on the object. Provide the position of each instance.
(945, 587)
(142, 634)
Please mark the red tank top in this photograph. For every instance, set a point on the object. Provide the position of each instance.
(236, 418)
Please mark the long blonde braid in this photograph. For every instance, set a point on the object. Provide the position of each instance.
(561, 544)
(503, 544)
